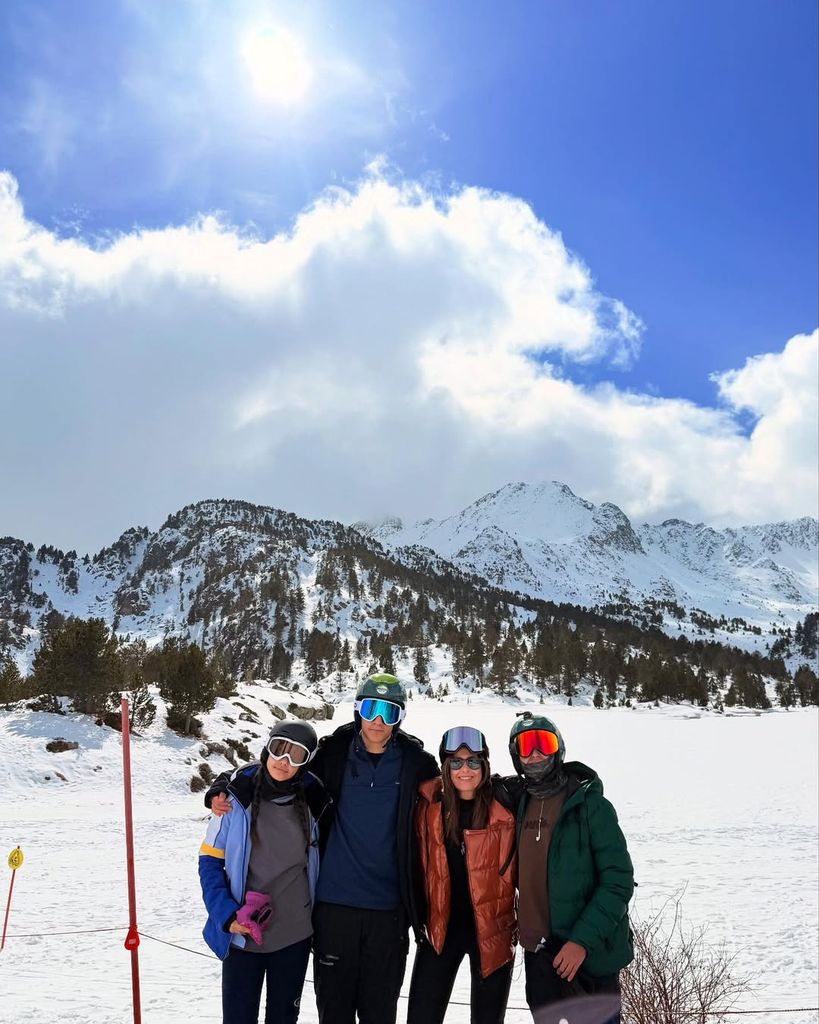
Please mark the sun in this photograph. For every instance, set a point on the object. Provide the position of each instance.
(277, 65)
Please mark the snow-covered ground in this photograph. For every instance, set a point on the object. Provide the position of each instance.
(723, 806)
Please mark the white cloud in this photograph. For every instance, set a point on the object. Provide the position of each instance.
(781, 390)
(397, 350)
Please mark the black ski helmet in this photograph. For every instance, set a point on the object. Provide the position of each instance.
(526, 722)
(462, 736)
(297, 732)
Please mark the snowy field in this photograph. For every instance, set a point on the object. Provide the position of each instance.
(725, 807)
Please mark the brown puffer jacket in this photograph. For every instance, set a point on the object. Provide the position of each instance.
(493, 895)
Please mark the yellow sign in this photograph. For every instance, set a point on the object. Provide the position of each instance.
(16, 858)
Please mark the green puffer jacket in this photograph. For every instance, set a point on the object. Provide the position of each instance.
(590, 874)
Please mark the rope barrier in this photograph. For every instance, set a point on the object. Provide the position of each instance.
(73, 931)
(175, 945)
(786, 1009)
(453, 1002)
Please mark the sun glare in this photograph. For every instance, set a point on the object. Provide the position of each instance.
(277, 65)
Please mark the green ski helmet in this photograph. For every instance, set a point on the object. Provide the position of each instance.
(381, 687)
(527, 722)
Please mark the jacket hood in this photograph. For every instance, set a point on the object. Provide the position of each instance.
(431, 790)
(240, 784)
(584, 778)
(582, 781)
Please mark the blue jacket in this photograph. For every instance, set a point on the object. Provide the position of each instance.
(359, 867)
(224, 857)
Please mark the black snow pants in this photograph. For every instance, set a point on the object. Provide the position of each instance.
(359, 958)
(544, 987)
(282, 973)
(434, 975)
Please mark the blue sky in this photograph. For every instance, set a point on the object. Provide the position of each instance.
(673, 147)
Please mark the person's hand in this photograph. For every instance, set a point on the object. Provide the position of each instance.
(568, 960)
(239, 929)
(220, 805)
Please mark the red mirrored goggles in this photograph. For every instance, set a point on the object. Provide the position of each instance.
(526, 743)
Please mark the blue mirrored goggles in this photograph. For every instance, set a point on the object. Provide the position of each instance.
(464, 736)
(370, 708)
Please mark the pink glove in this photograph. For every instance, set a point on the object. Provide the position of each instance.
(255, 914)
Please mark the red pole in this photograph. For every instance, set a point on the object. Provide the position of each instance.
(132, 938)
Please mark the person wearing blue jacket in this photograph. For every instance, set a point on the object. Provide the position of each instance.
(258, 868)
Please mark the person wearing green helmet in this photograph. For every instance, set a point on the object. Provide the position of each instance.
(368, 889)
(575, 875)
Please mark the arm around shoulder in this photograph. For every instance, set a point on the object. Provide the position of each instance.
(217, 787)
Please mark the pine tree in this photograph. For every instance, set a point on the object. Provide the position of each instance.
(81, 660)
(11, 682)
(186, 684)
(475, 655)
(806, 684)
(141, 707)
(458, 664)
(420, 668)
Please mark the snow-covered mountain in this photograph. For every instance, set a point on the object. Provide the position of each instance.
(255, 582)
(545, 541)
(249, 580)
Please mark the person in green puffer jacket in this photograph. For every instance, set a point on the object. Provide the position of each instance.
(575, 873)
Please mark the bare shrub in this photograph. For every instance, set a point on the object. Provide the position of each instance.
(677, 977)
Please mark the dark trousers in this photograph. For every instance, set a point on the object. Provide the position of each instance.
(243, 974)
(359, 958)
(434, 975)
(544, 986)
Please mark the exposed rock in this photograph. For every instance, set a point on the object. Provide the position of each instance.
(241, 749)
(207, 749)
(320, 714)
(58, 745)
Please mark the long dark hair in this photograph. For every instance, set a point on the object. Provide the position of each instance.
(450, 799)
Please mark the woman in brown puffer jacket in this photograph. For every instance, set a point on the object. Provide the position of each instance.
(466, 842)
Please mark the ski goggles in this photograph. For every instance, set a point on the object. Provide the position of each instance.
(456, 763)
(463, 736)
(371, 708)
(281, 749)
(542, 740)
